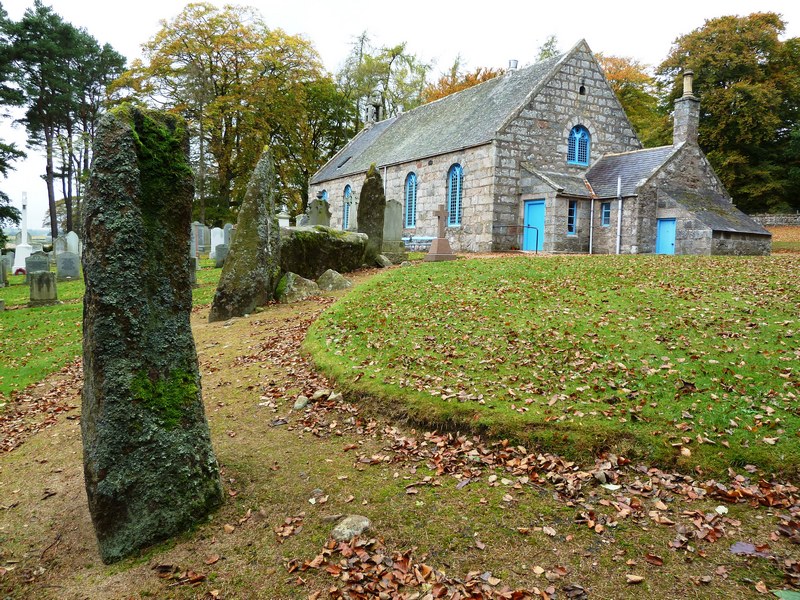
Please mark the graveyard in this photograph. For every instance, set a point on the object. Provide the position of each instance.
(574, 508)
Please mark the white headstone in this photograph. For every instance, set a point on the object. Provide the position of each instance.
(73, 243)
(217, 239)
(23, 250)
(60, 245)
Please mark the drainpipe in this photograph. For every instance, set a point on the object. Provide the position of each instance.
(591, 224)
(384, 182)
(619, 214)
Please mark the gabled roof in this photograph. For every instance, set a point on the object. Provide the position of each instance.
(714, 210)
(568, 185)
(633, 168)
(468, 118)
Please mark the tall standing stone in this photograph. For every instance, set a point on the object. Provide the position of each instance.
(371, 208)
(252, 267)
(149, 467)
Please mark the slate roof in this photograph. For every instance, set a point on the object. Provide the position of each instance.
(465, 119)
(568, 185)
(714, 210)
(634, 168)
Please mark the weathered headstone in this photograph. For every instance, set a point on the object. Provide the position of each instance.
(284, 218)
(228, 229)
(60, 245)
(220, 254)
(250, 274)
(43, 289)
(217, 238)
(393, 247)
(371, 208)
(68, 266)
(36, 248)
(9, 260)
(440, 247)
(35, 263)
(319, 213)
(73, 243)
(149, 468)
(3, 273)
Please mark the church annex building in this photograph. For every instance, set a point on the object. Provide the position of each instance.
(544, 158)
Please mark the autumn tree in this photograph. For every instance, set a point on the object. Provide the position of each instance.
(548, 49)
(8, 152)
(639, 94)
(242, 86)
(389, 77)
(749, 83)
(455, 80)
(56, 69)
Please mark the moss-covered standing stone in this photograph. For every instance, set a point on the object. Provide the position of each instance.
(371, 208)
(252, 267)
(149, 466)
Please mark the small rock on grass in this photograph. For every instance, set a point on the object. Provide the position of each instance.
(300, 403)
(349, 527)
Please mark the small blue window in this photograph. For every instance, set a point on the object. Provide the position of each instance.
(455, 192)
(605, 214)
(348, 198)
(579, 146)
(325, 195)
(572, 217)
(411, 201)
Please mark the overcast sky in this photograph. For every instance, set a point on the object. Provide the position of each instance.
(483, 33)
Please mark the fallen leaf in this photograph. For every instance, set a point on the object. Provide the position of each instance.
(633, 579)
(212, 559)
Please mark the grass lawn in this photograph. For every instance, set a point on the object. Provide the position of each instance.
(35, 342)
(681, 361)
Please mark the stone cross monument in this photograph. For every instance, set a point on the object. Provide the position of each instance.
(440, 247)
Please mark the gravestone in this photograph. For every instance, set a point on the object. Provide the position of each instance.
(371, 208)
(36, 248)
(35, 263)
(149, 468)
(43, 289)
(60, 245)
(217, 238)
(440, 247)
(319, 213)
(284, 218)
(68, 266)
(73, 243)
(393, 247)
(228, 229)
(3, 273)
(220, 254)
(8, 258)
(250, 274)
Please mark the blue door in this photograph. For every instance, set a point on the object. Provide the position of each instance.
(534, 225)
(665, 236)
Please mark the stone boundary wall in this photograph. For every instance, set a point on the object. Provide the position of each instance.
(767, 219)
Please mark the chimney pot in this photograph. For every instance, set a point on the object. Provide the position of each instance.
(512, 65)
(688, 79)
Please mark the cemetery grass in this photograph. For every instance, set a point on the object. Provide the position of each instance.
(275, 460)
(35, 342)
(683, 362)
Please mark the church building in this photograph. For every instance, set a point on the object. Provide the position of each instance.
(544, 158)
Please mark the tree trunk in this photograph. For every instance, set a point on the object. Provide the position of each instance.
(48, 177)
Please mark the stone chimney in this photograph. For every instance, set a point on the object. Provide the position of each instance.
(687, 114)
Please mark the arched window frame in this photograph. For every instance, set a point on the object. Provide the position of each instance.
(348, 198)
(410, 214)
(579, 146)
(455, 195)
(325, 195)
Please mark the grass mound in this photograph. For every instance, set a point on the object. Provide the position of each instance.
(685, 362)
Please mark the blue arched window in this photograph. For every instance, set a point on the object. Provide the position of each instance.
(579, 146)
(410, 219)
(325, 195)
(455, 192)
(348, 198)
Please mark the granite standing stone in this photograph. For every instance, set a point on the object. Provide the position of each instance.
(36, 262)
(68, 266)
(43, 289)
(252, 269)
(371, 208)
(149, 467)
(228, 229)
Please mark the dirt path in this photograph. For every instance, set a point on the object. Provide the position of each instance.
(450, 514)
